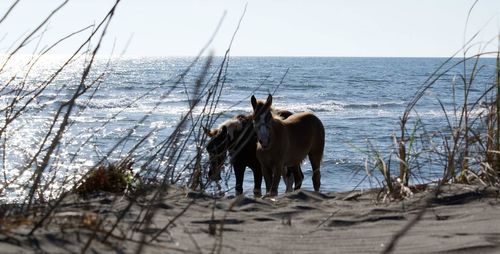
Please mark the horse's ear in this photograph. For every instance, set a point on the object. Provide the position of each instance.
(269, 101)
(206, 130)
(254, 102)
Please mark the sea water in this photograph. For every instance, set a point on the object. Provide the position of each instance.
(359, 100)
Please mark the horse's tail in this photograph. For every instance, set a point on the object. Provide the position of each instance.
(320, 137)
(316, 153)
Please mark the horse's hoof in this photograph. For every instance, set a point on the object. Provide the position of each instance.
(257, 193)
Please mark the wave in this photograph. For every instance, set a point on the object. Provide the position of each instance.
(106, 103)
(367, 80)
(336, 106)
(375, 105)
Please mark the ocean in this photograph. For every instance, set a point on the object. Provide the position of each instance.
(359, 101)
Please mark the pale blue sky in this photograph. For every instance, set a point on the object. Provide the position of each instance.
(270, 28)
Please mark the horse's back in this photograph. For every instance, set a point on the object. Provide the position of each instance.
(305, 131)
(305, 123)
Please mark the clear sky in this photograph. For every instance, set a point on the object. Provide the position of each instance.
(418, 28)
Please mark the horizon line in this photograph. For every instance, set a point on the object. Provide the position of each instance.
(482, 55)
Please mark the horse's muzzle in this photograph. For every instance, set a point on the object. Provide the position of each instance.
(214, 171)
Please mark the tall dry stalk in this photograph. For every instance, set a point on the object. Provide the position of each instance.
(497, 109)
(66, 109)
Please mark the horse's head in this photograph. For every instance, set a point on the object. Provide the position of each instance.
(217, 150)
(262, 120)
(221, 139)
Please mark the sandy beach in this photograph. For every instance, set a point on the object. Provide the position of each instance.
(462, 219)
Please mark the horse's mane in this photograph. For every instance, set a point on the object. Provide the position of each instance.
(276, 114)
(235, 124)
(232, 123)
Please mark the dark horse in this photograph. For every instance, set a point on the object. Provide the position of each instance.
(286, 142)
(236, 136)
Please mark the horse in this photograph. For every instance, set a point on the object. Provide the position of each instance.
(285, 142)
(236, 136)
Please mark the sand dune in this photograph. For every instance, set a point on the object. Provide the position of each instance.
(462, 219)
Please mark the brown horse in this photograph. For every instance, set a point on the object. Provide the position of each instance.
(236, 136)
(282, 143)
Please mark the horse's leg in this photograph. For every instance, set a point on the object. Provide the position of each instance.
(257, 180)
(301, 174)
(315, 159)
(239, 172)
(277, 173)
(268, 175)
(298, 176)
(288, 178)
